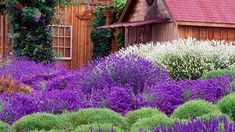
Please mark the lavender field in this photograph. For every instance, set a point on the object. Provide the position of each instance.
(126, 91)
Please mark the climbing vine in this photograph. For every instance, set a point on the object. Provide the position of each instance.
(30, 26)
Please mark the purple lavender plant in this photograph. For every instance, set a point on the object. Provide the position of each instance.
(199, 125)
(130, 72)
(16, 106)
(165, 96)
(58, 101)
(120, 100)
(211, 90)
(32, 73)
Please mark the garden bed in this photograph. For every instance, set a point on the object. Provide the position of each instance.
(139, 88)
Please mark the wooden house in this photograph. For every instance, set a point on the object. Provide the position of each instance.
(164, 20)
(71, 32)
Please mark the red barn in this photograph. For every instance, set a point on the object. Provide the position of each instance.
(164, 20)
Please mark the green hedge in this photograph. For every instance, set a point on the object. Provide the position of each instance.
(146, 124)
(41, 121)
(133, 116)
(101, 116)
(195, 108)
(227, 105)
(98, 127)
(4, 126)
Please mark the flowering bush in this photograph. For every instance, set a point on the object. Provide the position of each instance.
(211, 90)
(186, 58)
(120, 100)
(31, 73)
(130, 72)
(165, 96)
(199, 125)
(17, 106)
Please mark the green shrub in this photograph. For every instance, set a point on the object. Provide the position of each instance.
(4, 126)
(233, 83)
(101, 38)
(146, 124)
(101, 116)
(227, 105)
(216, 73)
(214, 114)
(97, 128)
(194, 108)
(41, 121)
(133, 116)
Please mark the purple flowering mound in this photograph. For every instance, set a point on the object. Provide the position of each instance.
(119, 77)
(211, 90)
(130, 72)
(32, 73)
(120, 100)
(18, 105)
(199, 125)
(166, 96)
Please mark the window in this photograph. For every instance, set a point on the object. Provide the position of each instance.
(62, 41)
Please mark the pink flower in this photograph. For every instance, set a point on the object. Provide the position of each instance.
(19, 6)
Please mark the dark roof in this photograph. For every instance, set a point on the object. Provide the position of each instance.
(209, 11)
(127, 9)
(135, 24)
(205, 11)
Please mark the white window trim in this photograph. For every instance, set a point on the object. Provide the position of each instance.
(71, 40)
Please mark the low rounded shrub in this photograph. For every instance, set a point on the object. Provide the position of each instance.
(194, 108)
(41, 121)
(101, 116)
(4, 126)
(215, 114)
(97, 128)
(147, 124)
(217, 73)
(227, 105)
(133, 116)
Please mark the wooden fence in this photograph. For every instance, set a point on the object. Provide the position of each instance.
(71, 34)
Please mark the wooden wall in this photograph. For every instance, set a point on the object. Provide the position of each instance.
(156, 33)
(204, 33)
(4, 36)
(137, 35)
(164, 32)
(81, 43)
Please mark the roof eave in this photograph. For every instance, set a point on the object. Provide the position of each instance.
(205, 24)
